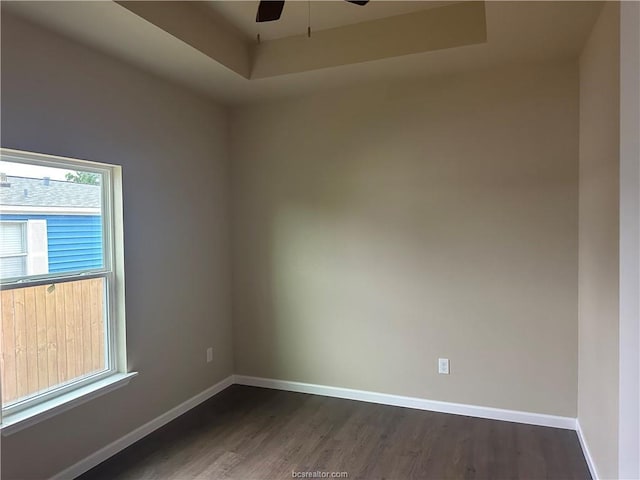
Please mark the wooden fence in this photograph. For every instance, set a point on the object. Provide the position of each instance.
(50, 335)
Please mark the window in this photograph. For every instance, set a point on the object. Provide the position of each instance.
(23, 248)
(13, 249)
(61, 277)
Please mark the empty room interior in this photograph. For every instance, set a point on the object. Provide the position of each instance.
(320, 239)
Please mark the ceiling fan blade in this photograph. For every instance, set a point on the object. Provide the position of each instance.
(359, 2)
(269, 10)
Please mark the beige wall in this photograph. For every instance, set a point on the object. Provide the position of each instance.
(378, 229)
(61, 98)
(598, 258)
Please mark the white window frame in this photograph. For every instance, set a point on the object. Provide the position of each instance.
(58, 398)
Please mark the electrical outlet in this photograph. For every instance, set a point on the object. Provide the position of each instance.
(443, 366)
(209, 354)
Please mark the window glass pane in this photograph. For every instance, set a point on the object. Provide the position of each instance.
(68, 205)
(52, 335)
(12, 267)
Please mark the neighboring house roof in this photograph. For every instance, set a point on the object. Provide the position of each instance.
(34, 192)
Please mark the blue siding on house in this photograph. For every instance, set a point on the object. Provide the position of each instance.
(74, 241)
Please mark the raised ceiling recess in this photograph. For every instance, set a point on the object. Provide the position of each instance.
(447, 26)
(211, 46)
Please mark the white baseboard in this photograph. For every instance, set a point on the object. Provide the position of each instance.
(412, 402)
(586, 452)
(116, 446)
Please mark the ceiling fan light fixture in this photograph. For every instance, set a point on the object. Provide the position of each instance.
(271, 10)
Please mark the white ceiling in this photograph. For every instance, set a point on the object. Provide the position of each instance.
(325, 14)
(516, 32)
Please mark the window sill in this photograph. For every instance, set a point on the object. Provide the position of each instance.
(25, 418)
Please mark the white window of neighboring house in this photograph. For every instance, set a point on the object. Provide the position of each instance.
(62, 288)
(23, 248)
(13, 249)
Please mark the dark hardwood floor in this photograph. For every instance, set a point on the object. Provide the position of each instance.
(251, 433)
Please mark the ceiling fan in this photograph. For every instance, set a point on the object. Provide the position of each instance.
(270, 10)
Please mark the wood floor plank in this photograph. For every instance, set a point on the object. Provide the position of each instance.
(249, 433)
